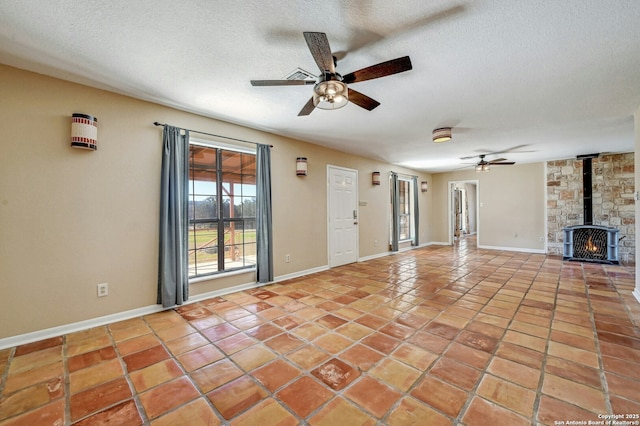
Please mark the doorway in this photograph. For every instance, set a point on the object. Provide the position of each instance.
(342, 209)
(463, 210)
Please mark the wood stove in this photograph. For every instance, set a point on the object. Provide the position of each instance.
(591, 243)
(588, 242)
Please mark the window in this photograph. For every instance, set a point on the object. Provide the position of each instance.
(404, 210)
(222, 210)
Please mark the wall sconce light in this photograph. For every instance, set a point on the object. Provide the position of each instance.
(84, 131)
(301, 166)
(375, 178)
(424, 186)
(442, 134)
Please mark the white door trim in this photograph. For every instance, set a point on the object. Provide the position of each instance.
(452, 184)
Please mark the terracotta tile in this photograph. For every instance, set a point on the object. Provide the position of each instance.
(483, 412)
(30, 398)
(520, 354)
(583, 396)
(90, 358)
(371, 321)
(155, 374)
(174, 332)
(41, 374)
(354, 331)
(164, 320)
(347, 313)
(412, 320)
(586, 343)
(220, 331)
(455, 373)
(200, 357)
(443, 330)
(195, 413)
(621, 352)
(129, 332)
(410, 411)
(336, 374)
(95, 375)
(214, 375)
(145, 358)
(137, 344)
(448, 399)
(623, 386)
(361, 356)
(552, 410)
(485, 329)
(168, 396)
(381, 342)
(267, 412)
(32, 360)
(507, 394)
(395, 373)
(341, 412)
(467, 355)
(477, 341)
(308, 357)
(309, 331)
(276, 374)
(235, 343)
(333, 342)
(264, 332)
(373, 396)
(95, 399)
(525, 340)
(572, 328)
(236, 396)
(430, 342)
(515, 372)
(304, 396)
(186, 343)
(206, 322)
(50, 414)
(622, 405)
(571, 353)
(38, 346)
(125, 413)
(253, 357)
(284, 343)
(621, 367)
(414, 356)
(398, 331)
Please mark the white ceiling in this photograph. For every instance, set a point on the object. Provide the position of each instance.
(553, 78)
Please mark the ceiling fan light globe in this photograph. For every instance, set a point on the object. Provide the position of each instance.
(330, 94)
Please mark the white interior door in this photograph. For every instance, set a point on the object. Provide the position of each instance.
(342, 210)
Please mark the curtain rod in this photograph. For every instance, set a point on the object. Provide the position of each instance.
(155, 123)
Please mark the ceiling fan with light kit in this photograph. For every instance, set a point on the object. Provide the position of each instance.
(330, 90)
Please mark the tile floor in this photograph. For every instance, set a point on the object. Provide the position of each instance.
(433, 336)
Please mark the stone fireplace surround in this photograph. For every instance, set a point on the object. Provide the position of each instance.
(613, 184)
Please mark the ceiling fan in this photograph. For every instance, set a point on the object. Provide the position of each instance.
(330, 91)
(484, 166)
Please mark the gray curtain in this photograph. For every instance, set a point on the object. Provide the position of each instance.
(416, 212)
(263, 214)
(395, 211)
(173, 279)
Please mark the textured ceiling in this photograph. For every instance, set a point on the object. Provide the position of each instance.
(543, 79)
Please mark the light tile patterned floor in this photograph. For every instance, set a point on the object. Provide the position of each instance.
(433, 336)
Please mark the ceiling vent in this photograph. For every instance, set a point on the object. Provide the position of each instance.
(300, 74)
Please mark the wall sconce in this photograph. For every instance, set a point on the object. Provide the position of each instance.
(375, 178)
(301, 166)
(84, 131)
(424, 186)
(442, 134)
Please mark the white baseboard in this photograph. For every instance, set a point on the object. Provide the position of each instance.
(525, 250)
(636, 293)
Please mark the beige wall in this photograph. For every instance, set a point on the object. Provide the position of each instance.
(636, 292)
(512, 211)
(70, 218)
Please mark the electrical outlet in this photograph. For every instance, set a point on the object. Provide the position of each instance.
(103, 289)
(287, 258)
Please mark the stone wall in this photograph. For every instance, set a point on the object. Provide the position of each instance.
(613, 203)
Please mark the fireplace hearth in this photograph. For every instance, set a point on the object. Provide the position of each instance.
(591, 243)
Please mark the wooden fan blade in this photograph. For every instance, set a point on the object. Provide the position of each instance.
(362, 100)
(498, 160)
(281, 82)
(504, 163)
(307, 108)
(320, 50)
(382, 69)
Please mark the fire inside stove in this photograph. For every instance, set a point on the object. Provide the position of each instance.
(590, 243)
